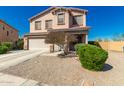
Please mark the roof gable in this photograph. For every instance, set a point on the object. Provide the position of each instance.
(52, 9)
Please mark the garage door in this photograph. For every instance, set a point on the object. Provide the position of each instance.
(37, 44)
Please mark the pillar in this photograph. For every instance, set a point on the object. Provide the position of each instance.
(86, 39)
(66, 45)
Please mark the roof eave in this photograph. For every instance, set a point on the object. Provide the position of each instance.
(76, 9)
(41, 13)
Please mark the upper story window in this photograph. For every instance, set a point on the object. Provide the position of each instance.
(78, 20)
(61, 18)
(48, 24)
(3, 27)
(37, 25)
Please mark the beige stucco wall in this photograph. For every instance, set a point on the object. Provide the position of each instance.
(53, 16)
(104, 45)
(50, 16)
(13, 34)
(112, 45)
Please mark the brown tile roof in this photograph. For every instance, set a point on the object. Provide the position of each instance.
(8, 24)
(71, 29)
(54, 7)
(55, 30)
(36, 34)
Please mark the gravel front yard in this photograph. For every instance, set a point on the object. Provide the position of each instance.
(52, 70)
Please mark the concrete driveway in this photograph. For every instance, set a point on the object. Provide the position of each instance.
(14, 58)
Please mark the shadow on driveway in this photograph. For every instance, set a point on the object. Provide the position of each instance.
(107, 67)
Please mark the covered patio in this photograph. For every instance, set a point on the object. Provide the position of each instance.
(81, 34)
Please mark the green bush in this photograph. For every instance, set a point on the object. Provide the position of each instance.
(3, 49)
(9, 45)
(20, 44)
(91, 57)
(77, 47)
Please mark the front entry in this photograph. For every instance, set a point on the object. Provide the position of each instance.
(79, 40)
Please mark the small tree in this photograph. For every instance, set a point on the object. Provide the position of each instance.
(55, 38)
(19, 44)
(61, 39)
(70, 38)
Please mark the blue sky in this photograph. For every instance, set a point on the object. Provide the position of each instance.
(105, 21)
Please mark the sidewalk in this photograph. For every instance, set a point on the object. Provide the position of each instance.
(14, 58)
(10, 80)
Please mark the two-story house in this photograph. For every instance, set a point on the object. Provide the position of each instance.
(8, 33)
(69, 20)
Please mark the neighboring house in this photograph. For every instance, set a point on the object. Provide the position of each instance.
(69, 20)
(7, 33)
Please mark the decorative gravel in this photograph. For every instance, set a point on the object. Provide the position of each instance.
(52, 70)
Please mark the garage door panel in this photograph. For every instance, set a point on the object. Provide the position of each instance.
(37, 44)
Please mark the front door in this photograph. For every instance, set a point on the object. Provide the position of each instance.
(72, 44)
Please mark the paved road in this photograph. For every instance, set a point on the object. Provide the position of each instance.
(17, 57)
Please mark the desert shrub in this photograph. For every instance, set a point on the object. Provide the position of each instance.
(91, 57)
(3, 49)
(9, 45)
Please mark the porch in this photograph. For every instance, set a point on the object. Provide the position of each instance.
(80, 38)
(81, 34)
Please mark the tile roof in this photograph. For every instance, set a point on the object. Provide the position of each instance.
(54, 7)
(8, 25)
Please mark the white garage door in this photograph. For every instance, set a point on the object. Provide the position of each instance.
(37, 44)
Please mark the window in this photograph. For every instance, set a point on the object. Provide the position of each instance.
(48, 24)
(78, 20)
(3, 28)
(38, 25)
(7, 33)
(61, 18)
